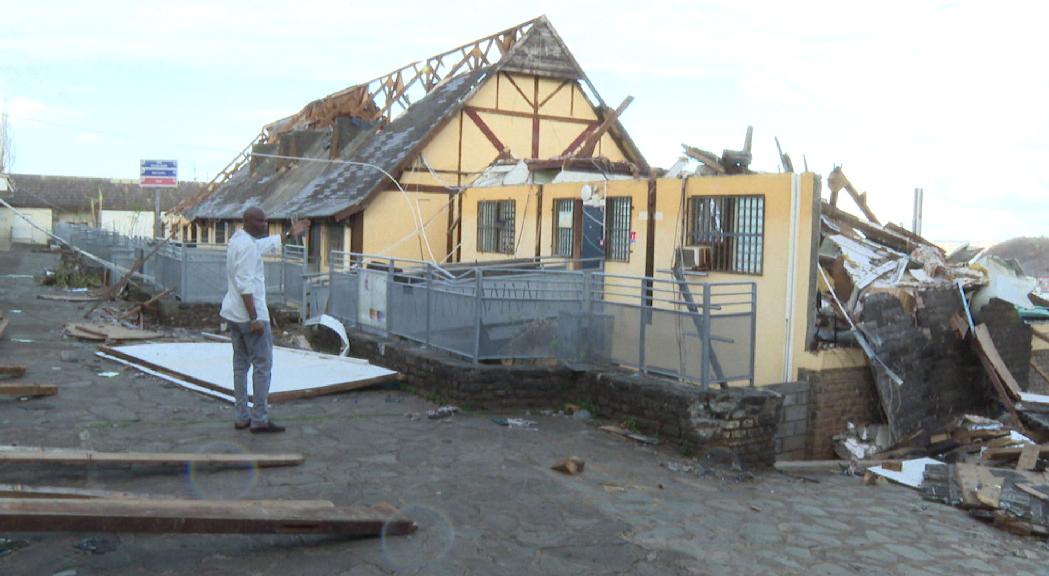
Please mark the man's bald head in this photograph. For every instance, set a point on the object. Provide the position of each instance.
(255, 222)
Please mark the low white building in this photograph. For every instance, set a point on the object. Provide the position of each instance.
(118, 205)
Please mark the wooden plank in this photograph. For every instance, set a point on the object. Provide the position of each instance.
(28, 389)
(25, 491)
(61, 456)
(1028, 457)
(102, 332)
(75, 297)
(828, 465)
(983, 338)
(1011, 453)
(999, 388)
(1041, 373)
(1032, 491)
(3, 324)
(196, 517)
(1039, 335)
(12, 370)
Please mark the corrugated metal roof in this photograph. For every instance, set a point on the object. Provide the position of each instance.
(75, 193)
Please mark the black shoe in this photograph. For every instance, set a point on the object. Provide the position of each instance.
(241, 425)
(267, 428)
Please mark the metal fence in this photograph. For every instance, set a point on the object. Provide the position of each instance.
(699, 332)
(197, 273)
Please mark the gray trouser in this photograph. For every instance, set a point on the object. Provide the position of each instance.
(256, 351)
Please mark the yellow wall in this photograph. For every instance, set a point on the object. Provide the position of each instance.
(391, 217)
(789, 202)
(524, 221)
(14, 228)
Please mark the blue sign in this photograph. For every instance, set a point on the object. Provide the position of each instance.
(158, 173)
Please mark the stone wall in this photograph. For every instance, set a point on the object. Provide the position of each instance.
(741, 419)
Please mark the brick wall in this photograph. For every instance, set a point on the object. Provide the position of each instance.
(838, 397)
(743, 420)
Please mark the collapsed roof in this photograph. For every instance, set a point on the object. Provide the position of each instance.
(328, 176)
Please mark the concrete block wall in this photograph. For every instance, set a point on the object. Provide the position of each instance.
(792, 435)
(744, 420)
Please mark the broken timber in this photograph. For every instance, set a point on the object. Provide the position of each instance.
(11, 370)
(3, 324)
(20, 455)
(28, 389)
(198, 517)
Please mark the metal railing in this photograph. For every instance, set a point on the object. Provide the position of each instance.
(699, 332)
(196, 272)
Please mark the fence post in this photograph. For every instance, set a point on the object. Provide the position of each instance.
(182, 275)
(705, 363)
(284, 274)
(478, 302)
(582, 341)
(753, 327)
(428, 302)
(641, 321)
(389, 293)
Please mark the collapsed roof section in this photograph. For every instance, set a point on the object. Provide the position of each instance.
(384, 122)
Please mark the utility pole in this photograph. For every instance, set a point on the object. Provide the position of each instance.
(919, 200)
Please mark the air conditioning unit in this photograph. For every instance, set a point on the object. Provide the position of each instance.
(693, 257)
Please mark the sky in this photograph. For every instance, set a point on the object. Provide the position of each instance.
(949, 96)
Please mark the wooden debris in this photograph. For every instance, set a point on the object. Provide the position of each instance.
(572, 465)
(1011, 453)
(1031, 490)
(1041, 373)
(987, 347)
(198, 517)
(109, 332)
(3, 324)
(619, 430)
(28, 389)
(1028, 457)
(831, 465)
(71, 297)
(142, 306)
(18, 454)
(12, 370)
(25, 491)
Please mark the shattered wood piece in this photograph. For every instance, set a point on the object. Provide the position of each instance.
(25, 491)
(74, 297)
(979, 486)
(18, 454)
(1039, 335)
(999, 387)
(708, 159)
(983, 338)
(910, 474)
(1004, 521)
(572, 465)
(1031, 491)
(108, 332)
(142, 306)
(619, 430)
(959, 325)
(1042, 373)
(28, 389)
(1011, 453)
(197, 517)
(12, 370)
(827, 465)
(1028, 457)
(3, 324)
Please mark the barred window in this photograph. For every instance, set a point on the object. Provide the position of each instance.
(733, 227)
(495, 226)
(617, 229)
(220, 232)
(564, 227)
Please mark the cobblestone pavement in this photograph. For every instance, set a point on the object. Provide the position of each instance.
(484, 496)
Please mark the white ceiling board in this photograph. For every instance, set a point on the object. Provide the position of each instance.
(295, 374)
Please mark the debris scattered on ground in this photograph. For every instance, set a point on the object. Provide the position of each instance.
(28, 390)
(109, 332)
(22, 340)
(10, 545)
(108, 374)
(572, 465)
(441, 412)
(620, 431)
(98, 545)
(12, 370)
(3, 323)
(520, 423)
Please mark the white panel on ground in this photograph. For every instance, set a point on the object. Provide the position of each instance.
(912, 474)
(296, 373)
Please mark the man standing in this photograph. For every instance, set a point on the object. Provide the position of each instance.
(244, 308)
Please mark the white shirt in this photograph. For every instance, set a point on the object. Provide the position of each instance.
(245, 274)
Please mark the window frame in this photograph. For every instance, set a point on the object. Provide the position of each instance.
(732, 251)
(618, 249)
(556, 249)
(496, 232)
